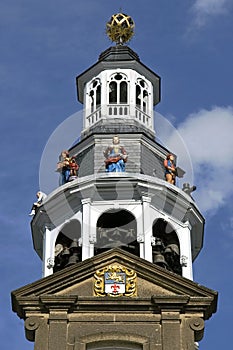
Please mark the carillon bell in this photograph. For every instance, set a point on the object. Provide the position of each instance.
(73, 259)
(172, 248)
(74, 246)
(158, 245)
(159, 259)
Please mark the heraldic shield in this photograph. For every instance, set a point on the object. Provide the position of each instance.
(115, 280)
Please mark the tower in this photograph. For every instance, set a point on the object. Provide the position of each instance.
(117, 241)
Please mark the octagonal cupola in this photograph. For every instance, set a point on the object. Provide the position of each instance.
(119, 195)
(119, 93)
(119, 88)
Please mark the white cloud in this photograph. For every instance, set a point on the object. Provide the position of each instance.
(208, 137)
(210, 6)
(204, 9)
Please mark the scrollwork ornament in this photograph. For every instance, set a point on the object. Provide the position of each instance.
(32, 323)
(184, 260)
(50, 263)
(197, 324)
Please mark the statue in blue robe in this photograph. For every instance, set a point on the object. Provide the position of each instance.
(115, 156)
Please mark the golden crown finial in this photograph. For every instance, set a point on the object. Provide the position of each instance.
(120, 28)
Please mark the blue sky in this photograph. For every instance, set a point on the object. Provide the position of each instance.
(44, 46)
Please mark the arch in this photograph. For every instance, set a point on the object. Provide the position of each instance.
(94, 93)
(141, 92)
(98, 96)
(123, 92)
(113, 92)
(114, 344)
(166, 246)
(67, 246)
(138, 96)
(115, 340)
(118, 88)
(117, 228)
(132, 340)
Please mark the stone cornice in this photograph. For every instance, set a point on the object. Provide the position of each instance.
(48, 304)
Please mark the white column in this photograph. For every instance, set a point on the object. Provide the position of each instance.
(138, 213)
(48, 254)
(184, 235)
(104, 94)
(147, 227)
(150, 105)
(92, 231)
(86, 228)
(87, 109)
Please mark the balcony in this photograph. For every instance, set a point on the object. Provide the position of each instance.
(120, 111)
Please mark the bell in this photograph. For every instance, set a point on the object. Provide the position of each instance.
(63, 258)
(158, 259)
(73, 259)
(172, 248)
(158, 245)
(74, 245)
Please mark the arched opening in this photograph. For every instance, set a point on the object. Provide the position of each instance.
(98, 96)
(68, 250)
(117, 228)
(95, 95)
(142, 95)
(114, 345)
(145, 100)
(123, 92)
(138, 97)
(118, 89)
(166, 247)
(113, 92)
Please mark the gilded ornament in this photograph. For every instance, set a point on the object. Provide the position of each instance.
(120, 28)
(115, 280)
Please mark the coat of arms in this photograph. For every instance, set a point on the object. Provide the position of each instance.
(115, 280)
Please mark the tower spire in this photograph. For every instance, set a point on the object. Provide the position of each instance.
(118, 239)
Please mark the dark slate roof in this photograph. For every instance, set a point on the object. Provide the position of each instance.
(118, 57)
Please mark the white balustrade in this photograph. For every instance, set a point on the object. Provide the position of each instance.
(119, 111)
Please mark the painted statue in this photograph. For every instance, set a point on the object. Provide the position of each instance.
(41, 196)
(67, 167)
(73, 168)
(115, 156)
(170, 169)
(63, 167)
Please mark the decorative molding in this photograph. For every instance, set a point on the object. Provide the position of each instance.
(92, 238)
(31, 324)
(50, 263)
(140, 237)
(86, 201)
(58, 302)
(197, 324)
(146, 199)
(184, 261)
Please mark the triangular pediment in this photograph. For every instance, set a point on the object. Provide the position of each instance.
(80, 281)
(74, 279)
